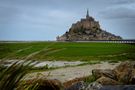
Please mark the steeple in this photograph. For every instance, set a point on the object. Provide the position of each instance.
(87, 15)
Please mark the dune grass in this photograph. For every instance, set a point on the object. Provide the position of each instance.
(69, 51)
(11, 77)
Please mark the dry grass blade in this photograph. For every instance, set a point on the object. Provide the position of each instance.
(11, 76)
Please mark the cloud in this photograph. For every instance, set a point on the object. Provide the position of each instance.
(8, 14)
(33, 12)
(118, 13)
(54, 17)
(122, 1)
(120, 19)
(60, 14)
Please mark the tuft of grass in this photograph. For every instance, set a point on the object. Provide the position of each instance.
(113, 61)
(11, 76)
(90, 79)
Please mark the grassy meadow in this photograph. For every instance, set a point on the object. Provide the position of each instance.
(69, 51)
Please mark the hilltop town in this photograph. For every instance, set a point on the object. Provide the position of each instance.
(87, 29)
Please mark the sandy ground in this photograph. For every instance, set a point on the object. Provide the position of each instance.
(70, 73)
(50, 64)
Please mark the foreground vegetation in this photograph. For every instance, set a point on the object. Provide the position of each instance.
(66, 51)
(11, 77)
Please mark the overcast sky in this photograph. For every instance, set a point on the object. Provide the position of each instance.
(46, 19)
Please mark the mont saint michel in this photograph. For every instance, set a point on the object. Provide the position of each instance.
(87, 29)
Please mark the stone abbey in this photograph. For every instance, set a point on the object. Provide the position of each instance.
(87, 29)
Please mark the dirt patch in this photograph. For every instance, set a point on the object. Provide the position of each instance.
(70, 73)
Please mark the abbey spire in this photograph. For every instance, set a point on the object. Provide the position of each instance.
(87, 15)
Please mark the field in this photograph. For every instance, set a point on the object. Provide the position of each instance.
(70, 51)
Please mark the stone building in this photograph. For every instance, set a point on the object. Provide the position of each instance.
(85, 30)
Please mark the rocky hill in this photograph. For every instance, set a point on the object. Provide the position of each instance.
(85, 30)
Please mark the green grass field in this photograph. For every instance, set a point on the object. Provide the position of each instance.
(67, 51)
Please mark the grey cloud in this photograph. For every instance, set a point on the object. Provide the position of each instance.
(122, 1)
(118, 13)
(8, 14)
(56, 16)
